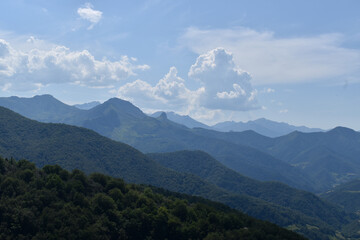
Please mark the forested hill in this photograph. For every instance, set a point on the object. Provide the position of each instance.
(73, 147)
(207, 168)
(53, 203)
(346, 195)
(329, 158)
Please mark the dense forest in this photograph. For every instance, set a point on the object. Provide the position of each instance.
(52, 203)
(346, 195)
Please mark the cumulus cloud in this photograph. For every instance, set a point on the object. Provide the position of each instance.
(273, 59)
(224, 87)
(89, 14)
(4, 48)
(34, 68)
(168, 94)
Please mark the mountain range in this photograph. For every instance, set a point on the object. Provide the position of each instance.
(122, 121)
(73, 147)
(262, 126)
(181, 119)
(310, 161)
(328, 158)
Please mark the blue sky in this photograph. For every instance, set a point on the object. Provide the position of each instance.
(291, 61)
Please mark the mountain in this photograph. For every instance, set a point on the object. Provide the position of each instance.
(263, 126)
(182, 119)
(53, 203)
(44, 108)
(87, 106)
(79, 148)
(311, 161)
(122, 121)
(346, 195)
(328, 158)
(162, 135)
(73, 147)
(207, 168)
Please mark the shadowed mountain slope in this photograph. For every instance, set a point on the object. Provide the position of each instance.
(122, 121)
(73, 147)
(346, 195)
(207, 168)
(328, 158)
(181, 119)
(262, 126)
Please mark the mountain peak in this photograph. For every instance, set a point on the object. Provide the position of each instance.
(117, 102)
(121, 107)
(341, 130)
(162, 116)
(44, 96)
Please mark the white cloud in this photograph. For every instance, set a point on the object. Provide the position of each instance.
(168, 94)
(89, 14)
(4, 48)
(267, 90)
(283, 111)
(33, 68)
(224, 87)
(273, 59)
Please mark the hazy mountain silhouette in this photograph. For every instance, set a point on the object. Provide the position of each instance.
(263, 126)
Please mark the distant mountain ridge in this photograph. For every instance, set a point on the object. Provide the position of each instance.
(303, 160)
(44, 108)
(182, 119)
(263, 126)
(87, 106)
(330, 158)
(122, 121)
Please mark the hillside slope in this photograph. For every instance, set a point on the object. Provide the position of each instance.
(346, 195)
(328, 158)
(52, 203)
(73, 147)
(207, 168)
(263, 126)
(122, 121)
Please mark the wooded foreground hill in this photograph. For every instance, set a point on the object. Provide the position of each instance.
(52, 203)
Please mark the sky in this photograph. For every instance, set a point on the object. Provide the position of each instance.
(289, 61)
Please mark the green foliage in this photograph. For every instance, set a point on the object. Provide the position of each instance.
(48, 206)
(346, 195)
(79, 148)
(302, 208)
(328, 158)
